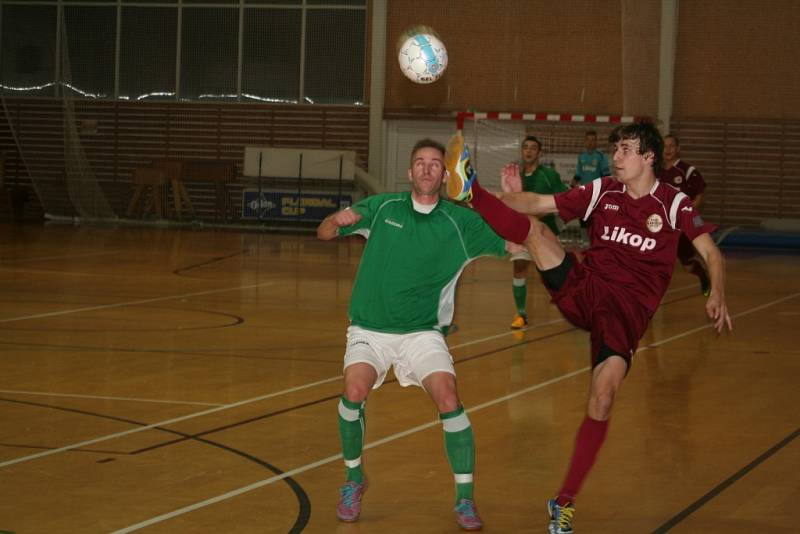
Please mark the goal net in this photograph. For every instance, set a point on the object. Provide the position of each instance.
(495, 139)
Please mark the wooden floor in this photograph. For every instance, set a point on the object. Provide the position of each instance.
(187, 381)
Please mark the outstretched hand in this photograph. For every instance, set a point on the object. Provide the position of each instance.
(511, 179)
(346, 217)
(717, 311)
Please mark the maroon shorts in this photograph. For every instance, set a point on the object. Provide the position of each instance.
(613, 317)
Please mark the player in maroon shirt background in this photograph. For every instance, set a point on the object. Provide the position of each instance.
(636, 222)
(689, 181)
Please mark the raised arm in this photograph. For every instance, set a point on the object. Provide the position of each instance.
(716, 307)
(329, 227)
(523, 202)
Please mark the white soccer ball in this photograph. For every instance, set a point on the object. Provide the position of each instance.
(422, 58)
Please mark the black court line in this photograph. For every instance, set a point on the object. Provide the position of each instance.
(332, 397)
(47, 448)
(304, 504)
(337, 395)
(725, 484)
(179, 271)
(210, 354)
(235, 320)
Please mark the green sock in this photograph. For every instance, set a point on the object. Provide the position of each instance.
(351, 432)
(460, 445)
(520, 290)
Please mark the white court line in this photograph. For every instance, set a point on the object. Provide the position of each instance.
(393, 437)
(3, 261)
(131, 303)
(329, 459)
(166, 422)
(101, 397)
(237, 404)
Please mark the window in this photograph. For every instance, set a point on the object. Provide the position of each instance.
(293, 51)
(209, 53)
(271, 55)
(334, 69)
(27, 56)
(91, 39)
(147, 53)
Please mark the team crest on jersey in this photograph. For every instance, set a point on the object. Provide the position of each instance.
(678, 179)
(655, 223)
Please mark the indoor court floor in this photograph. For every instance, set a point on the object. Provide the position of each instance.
(186, 381)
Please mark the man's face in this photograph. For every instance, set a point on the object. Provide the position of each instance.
(671, 149)
(590, 142)
(530, 152)
(427, 171)
(628, 163)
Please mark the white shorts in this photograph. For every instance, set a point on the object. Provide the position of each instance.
(414, 356)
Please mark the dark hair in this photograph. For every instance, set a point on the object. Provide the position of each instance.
(590, 132)
(427, 143)
(534, 139)
(648, 136)
(674, 138)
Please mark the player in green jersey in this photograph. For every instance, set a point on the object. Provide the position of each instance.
(402, 301)
(536, 178)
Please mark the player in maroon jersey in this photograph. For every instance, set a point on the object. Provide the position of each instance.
(636, 222)
(689, 181)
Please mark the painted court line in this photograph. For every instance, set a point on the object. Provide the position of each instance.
(165, 422)
(329, 459)
(200, 414)
(236, 404)
(101, 397)
(4, 261)
(393, 437)
(131, 303)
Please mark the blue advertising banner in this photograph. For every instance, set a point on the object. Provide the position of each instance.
(284, 205)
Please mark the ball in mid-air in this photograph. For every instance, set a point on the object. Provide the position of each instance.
(422, 57)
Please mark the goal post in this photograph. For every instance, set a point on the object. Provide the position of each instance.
(495, 139)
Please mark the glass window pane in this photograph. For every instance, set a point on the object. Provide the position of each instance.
(273, 2)
(209, 53)
(337, 2)
(200, 2)
(147, 53)
(91, 33)
(335, 51)
(271, 55)
(27, 56)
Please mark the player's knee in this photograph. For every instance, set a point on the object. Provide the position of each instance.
(356, 392)
(445, 396)
(602, 402)
(448, 402)
(539, 232)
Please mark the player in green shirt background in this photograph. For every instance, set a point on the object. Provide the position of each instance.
(402, 301)
(536, 178)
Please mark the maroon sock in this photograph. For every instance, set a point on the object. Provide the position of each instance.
(507, 223)
(590, 438)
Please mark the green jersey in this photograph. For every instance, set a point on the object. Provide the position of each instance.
(406, 281)
(545, 181)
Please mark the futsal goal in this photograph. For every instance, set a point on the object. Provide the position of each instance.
(495, 138)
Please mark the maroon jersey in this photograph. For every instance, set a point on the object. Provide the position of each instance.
(685, 177)
(633, 241)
